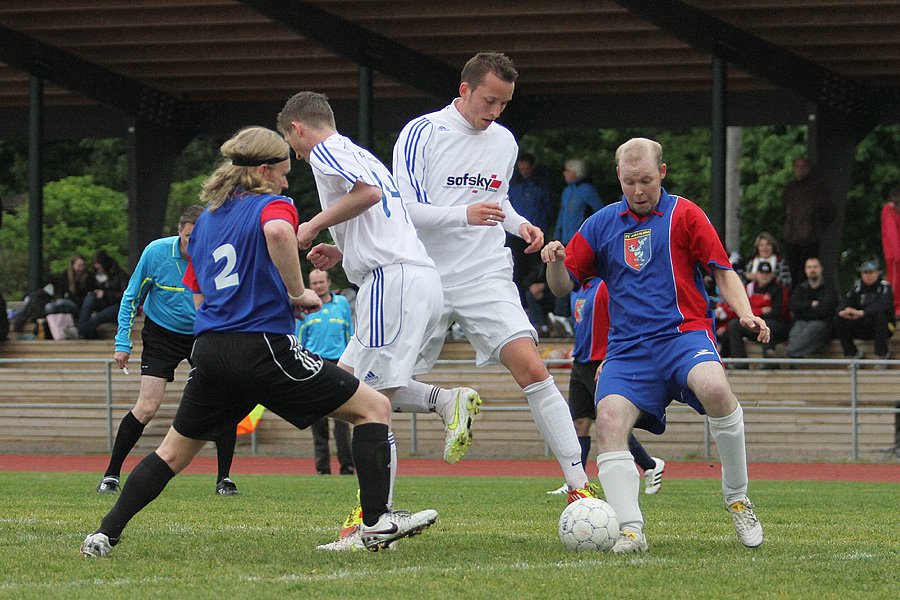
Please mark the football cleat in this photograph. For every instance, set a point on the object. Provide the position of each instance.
(653, 477)
(108, 485)
(352, 522)
(631, 542)
(458, 415)
(226, 487)
(749, 529)
(563, 489)
(590, 490)
(348, 542)
(392, 526)
(97, 544)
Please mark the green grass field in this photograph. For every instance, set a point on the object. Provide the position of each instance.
(495, 538)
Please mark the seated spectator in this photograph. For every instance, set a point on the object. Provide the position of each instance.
(102, 304)
(769, 300)
(35, 308)
(813, 304)
(73, 285)
(866, 313)
(529, 194)
(765, 249)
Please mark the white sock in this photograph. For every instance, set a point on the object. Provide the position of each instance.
(621, 484)
(418, 397)
(553, 419)
(728, 433)
(390, 501)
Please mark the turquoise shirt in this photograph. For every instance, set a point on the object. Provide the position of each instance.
(156, 282)
(328, 331)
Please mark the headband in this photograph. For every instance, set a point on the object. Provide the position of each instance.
(256, 162)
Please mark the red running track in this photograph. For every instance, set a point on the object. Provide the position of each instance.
(467, 468)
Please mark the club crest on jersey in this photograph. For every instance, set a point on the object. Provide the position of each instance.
(578, 311)
(637, 249)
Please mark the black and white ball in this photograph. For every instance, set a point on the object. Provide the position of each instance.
(589, 525)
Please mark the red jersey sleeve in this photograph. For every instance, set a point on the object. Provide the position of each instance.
(190, 279)
(280, 209)
(580, 259)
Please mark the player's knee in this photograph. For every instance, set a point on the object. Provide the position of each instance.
(145, 410)
(369, 406)
(582, 426)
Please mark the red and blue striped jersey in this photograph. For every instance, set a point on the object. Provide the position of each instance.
(651, 266)
(590, 310)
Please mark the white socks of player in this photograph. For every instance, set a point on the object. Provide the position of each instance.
(621, 484)
(552, 417)
(390, 501)
(728, 433)
(418, 397)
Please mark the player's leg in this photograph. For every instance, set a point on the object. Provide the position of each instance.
(224, 457)
(726, 424)
(131, 428)
(146, 482)
(548, 407)
(342, 443)
(618, 474)
(322, 453)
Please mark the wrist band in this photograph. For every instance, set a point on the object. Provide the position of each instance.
(300, 297)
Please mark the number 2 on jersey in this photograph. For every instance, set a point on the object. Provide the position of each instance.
(226, 278)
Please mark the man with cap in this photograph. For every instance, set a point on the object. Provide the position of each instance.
(769, 300)
(866, 313)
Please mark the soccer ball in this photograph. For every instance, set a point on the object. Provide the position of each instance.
(587, 525)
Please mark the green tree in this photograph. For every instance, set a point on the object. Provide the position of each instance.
(79, 216)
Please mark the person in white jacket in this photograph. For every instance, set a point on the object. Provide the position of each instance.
(453, 169)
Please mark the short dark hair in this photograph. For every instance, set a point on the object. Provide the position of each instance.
(311, 108)
(190, 215)
(481, 64)
(527, 157)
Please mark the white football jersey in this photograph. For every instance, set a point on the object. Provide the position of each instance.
(382, 235)
(442, 161)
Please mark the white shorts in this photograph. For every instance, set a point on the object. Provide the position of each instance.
(489, 312)
(398, 309)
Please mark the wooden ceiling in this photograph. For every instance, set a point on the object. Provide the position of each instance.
(233, 52)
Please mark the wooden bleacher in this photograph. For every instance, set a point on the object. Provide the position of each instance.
(803, 428)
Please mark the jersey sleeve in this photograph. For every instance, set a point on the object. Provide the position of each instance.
(138, 285)
(703, 239)
(280, 209)
(409, 160)
(580, 259)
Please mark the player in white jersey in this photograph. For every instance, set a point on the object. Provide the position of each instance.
(399, 302)
(453, 168)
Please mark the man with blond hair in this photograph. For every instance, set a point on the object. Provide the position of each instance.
(652, 249)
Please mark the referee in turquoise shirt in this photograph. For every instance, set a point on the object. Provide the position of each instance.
(167, 338)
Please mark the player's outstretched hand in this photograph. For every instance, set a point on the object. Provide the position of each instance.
(754, 323)
(324, 256)
(309, 302)
(306, 234)
(554, 251)
(533, 235)
(484, 213)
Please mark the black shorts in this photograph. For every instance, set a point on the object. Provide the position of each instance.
(582, 389)
(163, 350)
(233, 372)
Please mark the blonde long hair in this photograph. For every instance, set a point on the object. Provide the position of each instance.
(243, 154)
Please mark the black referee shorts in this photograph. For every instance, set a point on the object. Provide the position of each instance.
(163, 350)
(582, 389)
(233, 372)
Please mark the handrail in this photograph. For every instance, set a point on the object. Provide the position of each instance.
(852, 370)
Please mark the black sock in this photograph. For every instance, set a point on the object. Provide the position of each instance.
(145, 483)
(372, 457)
(130, 431)
(585, 442)
(640, 455)
(225, 454)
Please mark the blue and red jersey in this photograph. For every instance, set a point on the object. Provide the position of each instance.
(230, 265)
(590, 309)
(651, 265)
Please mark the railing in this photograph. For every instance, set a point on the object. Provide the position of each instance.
(852, 367)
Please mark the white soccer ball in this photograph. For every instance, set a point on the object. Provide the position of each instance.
(589, 525)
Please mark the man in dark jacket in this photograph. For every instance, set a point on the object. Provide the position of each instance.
(807, 212)
(866, 313)
(813, 304)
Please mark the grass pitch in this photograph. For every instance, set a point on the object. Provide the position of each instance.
(494, 539)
